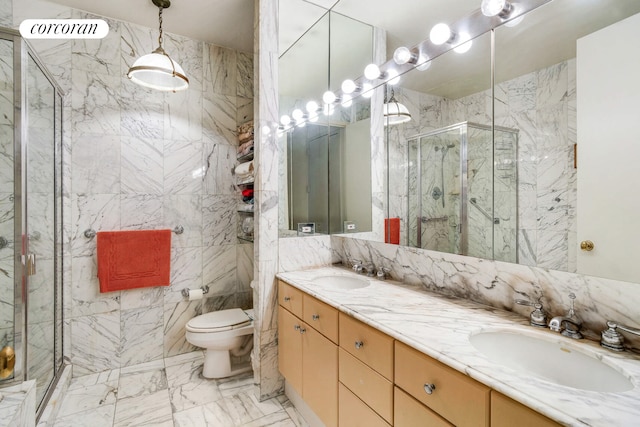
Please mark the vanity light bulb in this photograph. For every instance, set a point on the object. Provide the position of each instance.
(266, 130)
(349, 86)
(424, 62)
(492, 7)
(297, 114)
(392, 77)
(285, 120)
(329, 97)
(465, 43)
(402, 55)
(440, 33)
(372, 72)
(312, 107)
(347, 100)
(367, 90)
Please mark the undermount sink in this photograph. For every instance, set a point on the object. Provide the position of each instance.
(551, 360)
(341, 282)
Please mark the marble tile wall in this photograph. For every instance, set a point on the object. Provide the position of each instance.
(541, 106)
(138, 159)
(18, 405)
(265, 352)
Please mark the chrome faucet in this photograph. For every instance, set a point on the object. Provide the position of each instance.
(612, 339)
(568, 325)
(538, 316)
(356, 265)
(383, 273)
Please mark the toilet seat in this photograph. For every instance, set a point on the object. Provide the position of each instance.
(218, 321)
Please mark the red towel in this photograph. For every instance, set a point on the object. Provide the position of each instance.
(392, 230)
(133, 259)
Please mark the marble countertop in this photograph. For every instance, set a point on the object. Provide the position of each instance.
(440, 327)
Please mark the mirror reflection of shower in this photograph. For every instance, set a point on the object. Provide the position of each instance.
(463, 191)
(437, 192)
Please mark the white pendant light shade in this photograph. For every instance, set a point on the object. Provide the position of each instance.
(158, 71)
(395, 112)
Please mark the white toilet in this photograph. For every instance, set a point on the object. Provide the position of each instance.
(222, 334)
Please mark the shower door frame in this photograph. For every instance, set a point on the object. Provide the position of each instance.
(22, 51)
(462, 231)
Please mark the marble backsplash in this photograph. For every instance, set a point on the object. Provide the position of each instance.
(494, 283)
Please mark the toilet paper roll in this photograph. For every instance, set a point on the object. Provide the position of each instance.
(195, 294)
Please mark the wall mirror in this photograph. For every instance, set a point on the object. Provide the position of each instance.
(528, 204)
(525, 200)
(323, 159)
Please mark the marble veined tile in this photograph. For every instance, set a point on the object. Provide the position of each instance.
(98, 417)
(141, 335)
(146, 410)
(212, 414)
(142, 110)
(90, 397)
(245, 75)
(86, 298)
(245, 408)
(220, 70)
(219, 118)
(184, 210)
(194, 393)
(95, 342)
(183, 115)
(97, 55)
(189, 54)
(186, 272)
(219, 219)
(142, 165)
(100, 212)
(219, 163)
(104, 377)
(95, 104)
(95, 164)
(219, 269)
(143, 379)
(141, 212)
(183, 168)
(176, 316)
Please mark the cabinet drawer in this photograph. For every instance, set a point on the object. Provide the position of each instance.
(352, 412)
(408, 412)
(320, 375)
(456, 397)
(321, 317)
(290, 298)
(371, 346)
(371, 387)
(506, 412)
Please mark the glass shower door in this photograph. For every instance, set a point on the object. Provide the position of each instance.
(42, 217)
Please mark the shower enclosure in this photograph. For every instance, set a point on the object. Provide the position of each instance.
(30, 218)
(462, 191)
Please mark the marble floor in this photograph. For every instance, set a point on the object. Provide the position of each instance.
(170, 392)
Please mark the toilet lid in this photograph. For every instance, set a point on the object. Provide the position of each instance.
(223, 319)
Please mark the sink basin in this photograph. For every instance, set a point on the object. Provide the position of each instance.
(550, 360)
(341, 282)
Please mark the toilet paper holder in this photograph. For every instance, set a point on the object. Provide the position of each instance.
(185, 291)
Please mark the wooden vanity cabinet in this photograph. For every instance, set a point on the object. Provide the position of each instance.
(454, 396)
(408, 412)
(308, 359)
(506, 412)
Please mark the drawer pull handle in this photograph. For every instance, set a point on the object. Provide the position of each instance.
(296, 327)
(303, 330)
(429, 388)
(316, 317)
(359, 344)
(287, 299)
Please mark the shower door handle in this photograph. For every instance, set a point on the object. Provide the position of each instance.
(7, 362)
(31, 264)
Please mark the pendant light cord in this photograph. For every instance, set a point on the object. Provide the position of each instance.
(160, 21)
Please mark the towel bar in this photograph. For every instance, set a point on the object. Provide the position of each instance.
(90, 233)
(185, 291)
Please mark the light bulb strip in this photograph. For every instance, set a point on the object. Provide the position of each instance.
(473, 25)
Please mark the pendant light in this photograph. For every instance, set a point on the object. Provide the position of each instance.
(395, 112)
(157, 70)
